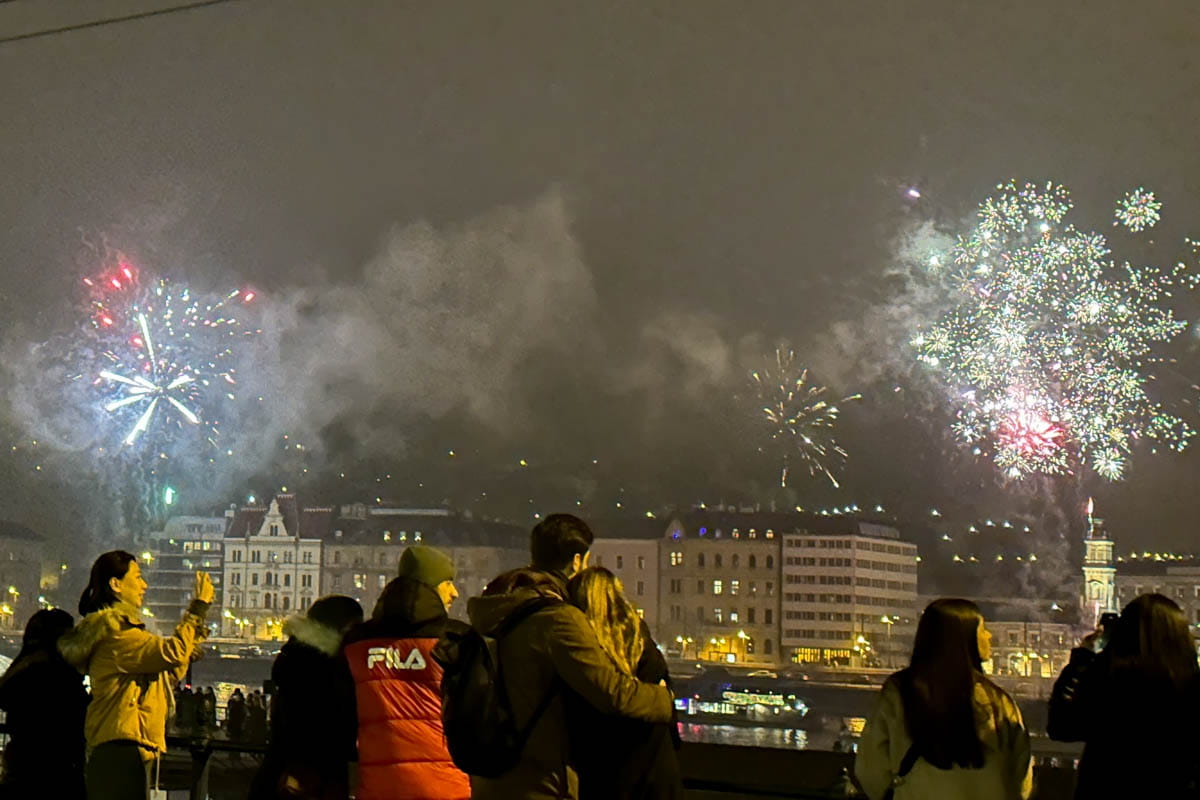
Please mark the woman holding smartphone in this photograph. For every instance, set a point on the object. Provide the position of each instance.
(133, 674)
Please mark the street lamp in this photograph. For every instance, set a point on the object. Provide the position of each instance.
(889, 620)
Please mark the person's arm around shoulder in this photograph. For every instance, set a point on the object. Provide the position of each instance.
(587, 669)
(138, 651)
(873, 767)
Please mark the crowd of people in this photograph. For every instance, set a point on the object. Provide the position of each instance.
(555, 689)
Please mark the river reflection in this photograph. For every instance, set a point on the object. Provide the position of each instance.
(779, 738)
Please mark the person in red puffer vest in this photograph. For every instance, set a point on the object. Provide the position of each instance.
(402, 751)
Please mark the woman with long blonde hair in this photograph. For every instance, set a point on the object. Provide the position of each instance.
(617, 758)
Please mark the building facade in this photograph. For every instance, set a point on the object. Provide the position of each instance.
(184, 546)
(363, 546)
(272, 565)
(1029, 647)
(849, 595)
(1176, 578)
(720, 586)
(21, 554)
(631, 551)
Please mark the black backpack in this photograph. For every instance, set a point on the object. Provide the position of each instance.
(477, 718)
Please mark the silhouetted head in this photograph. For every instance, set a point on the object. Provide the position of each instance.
(336, 612)
(1152, 639)
(599, 594)
(115, 576)
(560, 543)
(43, 630)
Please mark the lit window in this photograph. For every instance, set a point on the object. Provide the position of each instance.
(676, 559)
(718, 615)
(733, 615)
(718, 587)
(734, 585)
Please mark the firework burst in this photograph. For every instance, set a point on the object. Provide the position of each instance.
(1138, 210)
(166, 357)
(799, 416)
(1048, 339)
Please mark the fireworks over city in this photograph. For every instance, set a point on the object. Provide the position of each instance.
(1048, 342)
(166, 357)
(800, 417)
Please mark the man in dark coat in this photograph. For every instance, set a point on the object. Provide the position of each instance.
(313, 725)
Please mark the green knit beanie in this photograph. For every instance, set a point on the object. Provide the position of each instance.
(426, 565)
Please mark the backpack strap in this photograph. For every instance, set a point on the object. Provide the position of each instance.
(909, 761)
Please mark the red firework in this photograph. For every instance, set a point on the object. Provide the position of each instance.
(1030, 433)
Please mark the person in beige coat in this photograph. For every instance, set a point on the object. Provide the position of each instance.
(942, 729)
(133, 674)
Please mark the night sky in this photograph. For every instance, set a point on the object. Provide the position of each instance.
(563, 232)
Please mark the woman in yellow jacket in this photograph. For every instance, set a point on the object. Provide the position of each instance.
(133, 674)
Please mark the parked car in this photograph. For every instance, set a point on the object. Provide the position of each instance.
(253, 651)
(763, 673)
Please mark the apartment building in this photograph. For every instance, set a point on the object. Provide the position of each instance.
(849, 594)
(362, 549)
(272, 563)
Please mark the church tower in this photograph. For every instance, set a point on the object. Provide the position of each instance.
(1099, 570)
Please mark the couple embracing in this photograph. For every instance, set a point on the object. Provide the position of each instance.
(583, 676)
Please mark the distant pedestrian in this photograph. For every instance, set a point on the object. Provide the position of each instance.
(401, 745)
(620, 759)
(184, 719)
(132, 673)
(313, 723)
(45, 703)
(235, 716)
(1134, 704)
(256, 718)
(942, 729)
(209, 705)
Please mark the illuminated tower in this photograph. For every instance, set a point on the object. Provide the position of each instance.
(1099, 571)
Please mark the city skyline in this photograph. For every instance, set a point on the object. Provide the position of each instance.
(546, 282)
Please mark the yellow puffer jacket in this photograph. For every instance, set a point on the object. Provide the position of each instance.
(133, 672)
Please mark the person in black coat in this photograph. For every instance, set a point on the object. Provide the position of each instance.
(1134, 705)
(45, 701)
(314, 724)
(235, 716)
(618, 758)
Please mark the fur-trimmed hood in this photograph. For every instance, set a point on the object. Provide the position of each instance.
(78, 644)
(312, 633)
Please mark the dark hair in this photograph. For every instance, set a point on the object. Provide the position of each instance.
(336, 611)
(556, 540)
(938, 688)
(1152, 641)
(43, 631)
(98, 594)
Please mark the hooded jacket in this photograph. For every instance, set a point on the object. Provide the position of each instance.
(402, 753)
(554, 647)
(132, 672)
(313, 725)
